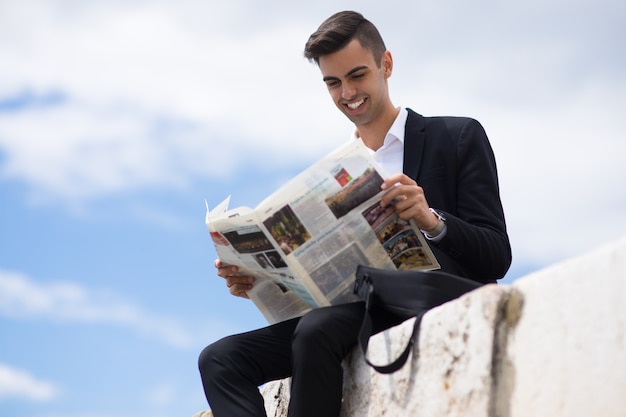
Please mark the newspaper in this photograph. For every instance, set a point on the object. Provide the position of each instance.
(303, 242)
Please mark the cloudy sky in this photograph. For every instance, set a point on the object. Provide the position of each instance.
(119, 118)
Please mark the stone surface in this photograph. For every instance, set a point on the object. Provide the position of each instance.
(207, 413)
(276, 396)
(449, 374)
(552, 344)
(567, 355)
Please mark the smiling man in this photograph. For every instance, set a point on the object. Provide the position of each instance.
(444, 178)
(361, 92)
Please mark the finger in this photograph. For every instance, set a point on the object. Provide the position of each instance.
(240, 290)
(226, 271)
(222, 268)
(397, 179)
(390, 181)
(237, 293)
(234, 279)
(394, 195)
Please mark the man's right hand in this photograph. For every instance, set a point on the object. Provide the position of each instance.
(238, 285)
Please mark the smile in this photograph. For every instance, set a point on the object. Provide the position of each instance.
(356, 104)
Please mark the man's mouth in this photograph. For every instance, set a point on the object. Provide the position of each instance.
(355, 105)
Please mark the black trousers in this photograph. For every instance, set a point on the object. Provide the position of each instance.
(310, 349)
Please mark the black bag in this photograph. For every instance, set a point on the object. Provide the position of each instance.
(406, 294)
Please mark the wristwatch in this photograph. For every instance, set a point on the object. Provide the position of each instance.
(439, 228)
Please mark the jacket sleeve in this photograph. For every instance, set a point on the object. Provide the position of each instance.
(476, 236)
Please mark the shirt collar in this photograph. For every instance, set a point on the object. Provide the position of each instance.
(397, 128)
(396, 131)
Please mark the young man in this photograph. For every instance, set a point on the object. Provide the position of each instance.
(445, 180)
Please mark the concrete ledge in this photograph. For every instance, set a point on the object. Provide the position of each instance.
(567, 355)
(552, 344)
(451, 373)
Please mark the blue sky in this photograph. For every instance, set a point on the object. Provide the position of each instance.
(118, 118)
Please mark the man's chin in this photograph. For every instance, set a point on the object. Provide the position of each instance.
(357, 119)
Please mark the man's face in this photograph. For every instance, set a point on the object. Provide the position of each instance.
(357, 85)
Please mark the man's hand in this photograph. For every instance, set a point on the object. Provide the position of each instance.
(409, 201)
(237, 284)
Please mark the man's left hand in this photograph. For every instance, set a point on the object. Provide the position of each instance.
(409, 201)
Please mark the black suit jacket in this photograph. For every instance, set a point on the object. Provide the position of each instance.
(452, 160)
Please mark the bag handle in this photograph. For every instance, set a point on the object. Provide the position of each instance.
(366, 332)
(425, 290)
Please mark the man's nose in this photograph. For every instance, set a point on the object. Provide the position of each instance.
(348, 91)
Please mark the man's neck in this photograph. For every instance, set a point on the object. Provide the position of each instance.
(373, 134)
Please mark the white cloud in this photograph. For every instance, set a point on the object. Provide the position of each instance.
(162, 394)
(22, 297)
(157, 95)
(16, 383)
(153, 95)
(549, 92)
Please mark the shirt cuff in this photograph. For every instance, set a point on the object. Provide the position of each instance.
(438, 237)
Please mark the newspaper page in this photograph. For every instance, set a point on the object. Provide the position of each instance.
(304, 242)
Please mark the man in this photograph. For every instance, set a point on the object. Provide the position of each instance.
(446, 181)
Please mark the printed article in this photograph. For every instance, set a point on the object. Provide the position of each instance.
(304, 241)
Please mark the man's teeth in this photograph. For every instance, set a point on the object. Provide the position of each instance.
(356, 104)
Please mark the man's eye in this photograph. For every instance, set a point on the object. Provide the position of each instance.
(358, 75)
(331, 84)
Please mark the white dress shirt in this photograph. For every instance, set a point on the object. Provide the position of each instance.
(390, 156)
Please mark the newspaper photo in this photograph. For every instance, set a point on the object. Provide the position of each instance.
(304, 241)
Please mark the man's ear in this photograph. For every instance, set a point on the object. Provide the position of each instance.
(386, 63)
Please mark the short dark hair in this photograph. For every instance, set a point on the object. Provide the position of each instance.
(338, 30)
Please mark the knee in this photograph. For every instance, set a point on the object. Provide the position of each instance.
(214, 358)
(311, 331)
(329, 330)
(206, 357)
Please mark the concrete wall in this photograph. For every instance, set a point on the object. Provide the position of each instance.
(551, 344)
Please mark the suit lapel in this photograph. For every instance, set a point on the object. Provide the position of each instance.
(413, 144)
